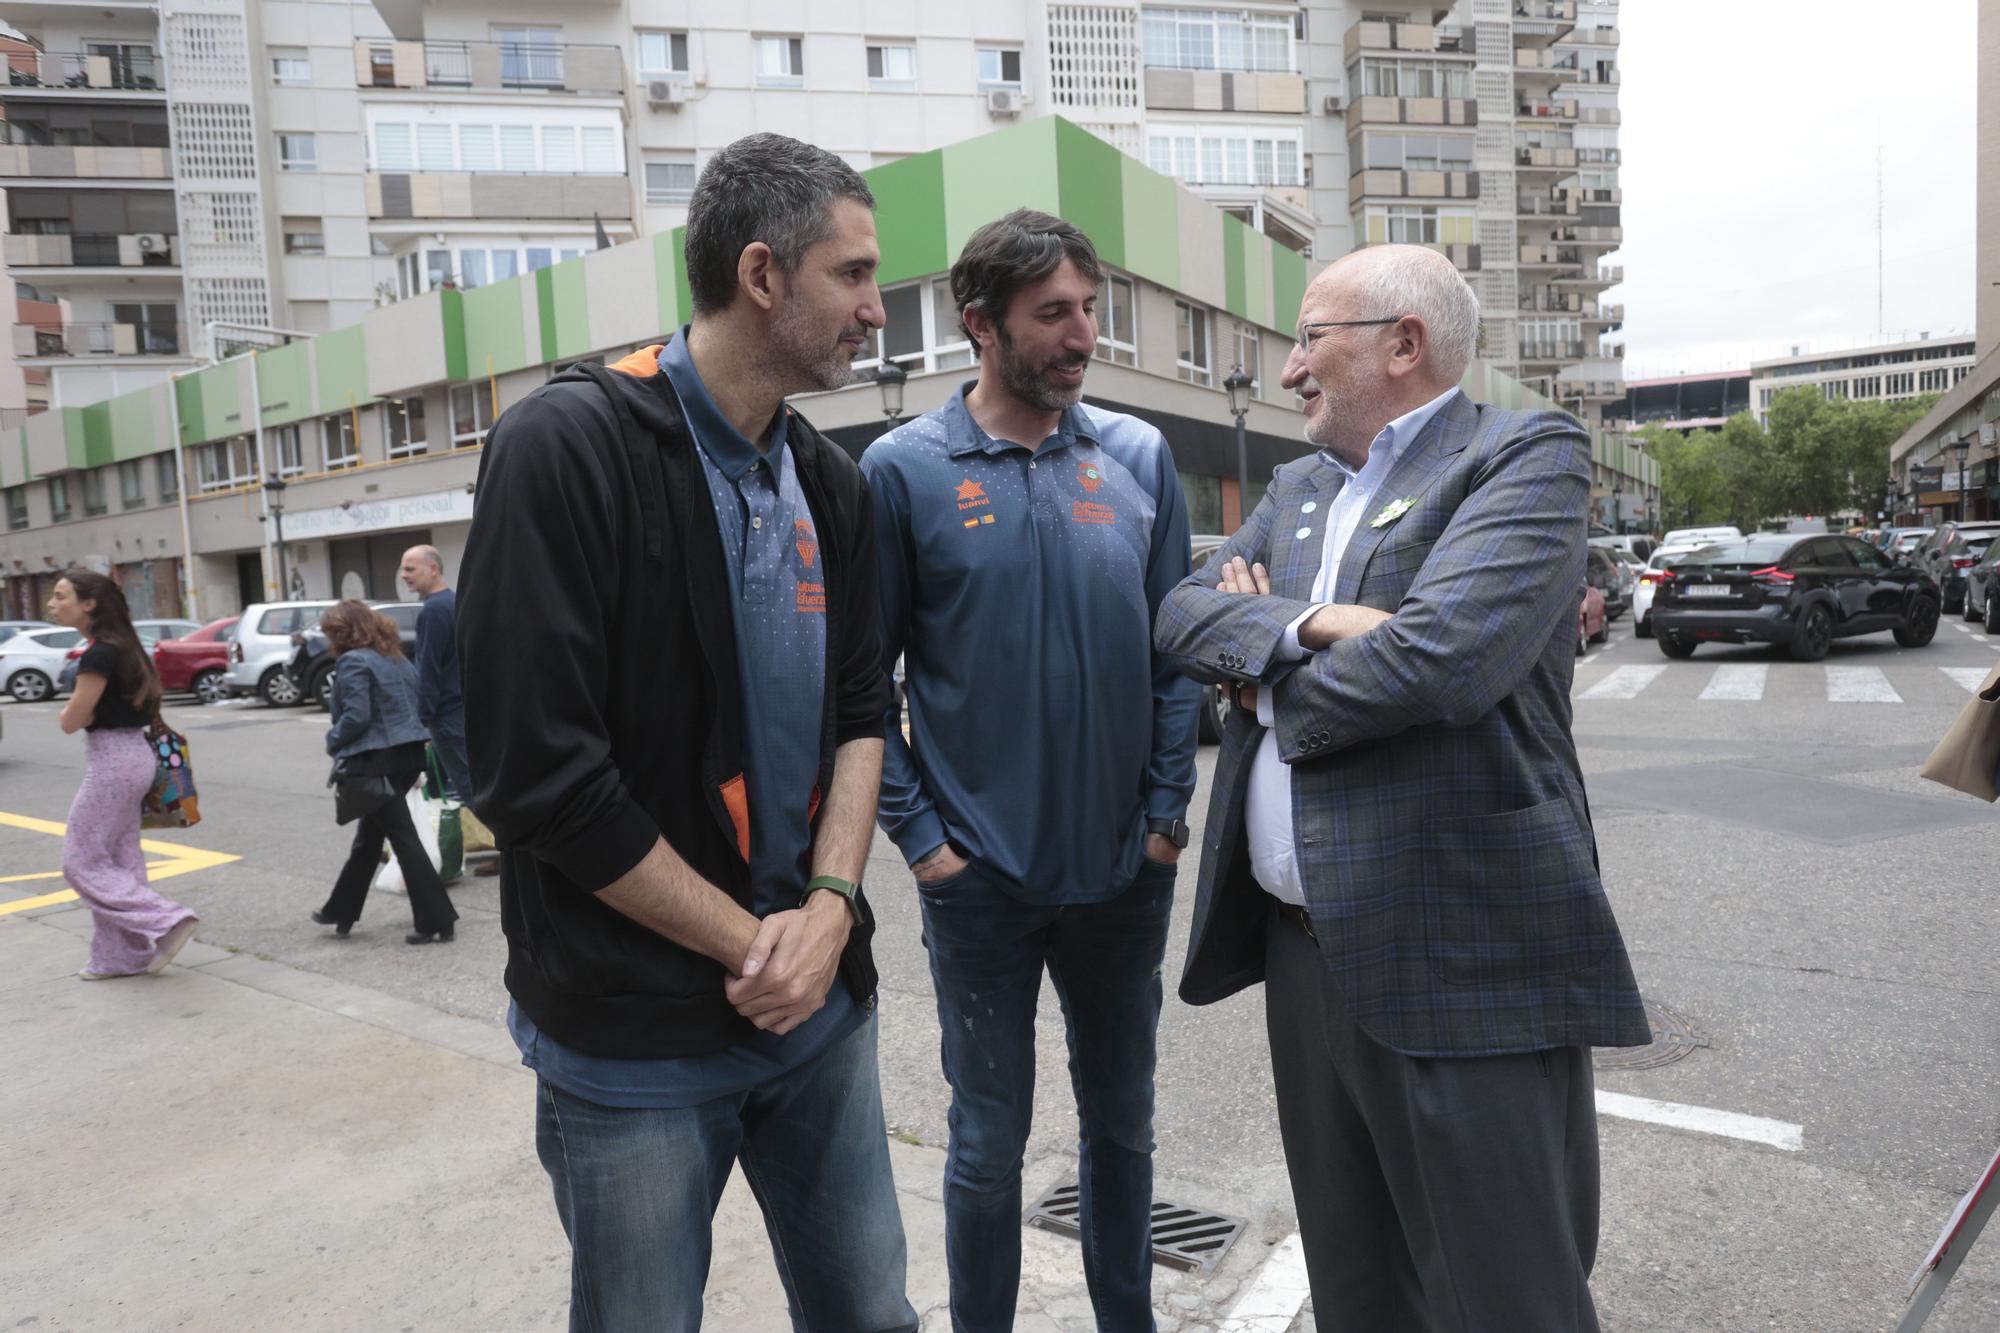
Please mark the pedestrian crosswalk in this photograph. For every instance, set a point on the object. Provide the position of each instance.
(1749, 682)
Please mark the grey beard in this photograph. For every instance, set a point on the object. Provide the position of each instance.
(798, 350)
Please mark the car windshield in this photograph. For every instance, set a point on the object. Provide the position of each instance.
(1753, 550)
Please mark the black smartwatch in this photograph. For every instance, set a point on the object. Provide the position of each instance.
(1174, 831)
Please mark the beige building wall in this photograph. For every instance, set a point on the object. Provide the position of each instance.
(1987, 333)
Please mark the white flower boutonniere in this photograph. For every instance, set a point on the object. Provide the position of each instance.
(1392, 511)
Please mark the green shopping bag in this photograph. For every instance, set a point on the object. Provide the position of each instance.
(441, 815)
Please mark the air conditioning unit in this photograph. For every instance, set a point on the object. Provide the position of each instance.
(151, 242)
(666, 93)
(1003, 101)
(1333, 106)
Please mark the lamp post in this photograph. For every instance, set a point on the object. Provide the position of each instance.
(1617, 509)
(889, 378)
(1889, 500)
(274, 496)
(1962, 447)
(1237, 386)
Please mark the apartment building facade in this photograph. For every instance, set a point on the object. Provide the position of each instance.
(1887, 372)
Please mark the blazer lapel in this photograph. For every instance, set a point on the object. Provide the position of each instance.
(1295, 559)
(1445, 434)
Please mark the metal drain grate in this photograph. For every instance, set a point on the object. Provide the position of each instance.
(1674, 1038)
(1184, 1238)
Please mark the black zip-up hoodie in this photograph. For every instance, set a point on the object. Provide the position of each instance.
(602, 706)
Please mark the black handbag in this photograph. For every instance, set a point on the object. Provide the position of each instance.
(356, 795)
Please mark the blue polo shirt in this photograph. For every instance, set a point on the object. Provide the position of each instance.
(1020, 588)
(778, 595)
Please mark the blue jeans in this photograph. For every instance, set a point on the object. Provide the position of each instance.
(637, 1192)
(448, 735)
(987, 952)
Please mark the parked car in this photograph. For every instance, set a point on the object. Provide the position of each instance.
(196, 662)
(1638, 544)
(1592, 625)
(311, 666)
(1907, 542)
(12, 627)
(260, 646)
(1951, 550)
(1798, 592)
(31, 662)
(1649, 582)
(1700, 536)
(151, 633)
(1603, 572)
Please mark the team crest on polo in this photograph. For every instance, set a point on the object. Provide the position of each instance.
(1089, 476)
(805, 542)
(971, 495)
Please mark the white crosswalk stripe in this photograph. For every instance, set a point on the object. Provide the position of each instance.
(1859, 685)
(1969, 677)
(1625, 682)
(1738, 681)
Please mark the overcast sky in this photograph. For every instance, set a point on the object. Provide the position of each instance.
(1749, 135)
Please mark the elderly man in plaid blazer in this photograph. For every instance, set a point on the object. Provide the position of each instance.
(1398, 843)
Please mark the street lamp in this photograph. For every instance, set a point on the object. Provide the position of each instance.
(1962, 447)
(1617, 509)
(274, 494)
(889, 378)
(1237, 386)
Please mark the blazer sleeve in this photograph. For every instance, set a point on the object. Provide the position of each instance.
(1217, 637)
(353, 701)
(1502, 577)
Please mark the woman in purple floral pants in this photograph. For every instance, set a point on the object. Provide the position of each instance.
(117, 692)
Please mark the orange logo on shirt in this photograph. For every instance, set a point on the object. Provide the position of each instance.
(971, 495)
(1088, 476)
(806, 543)
(811, 597)
(1089, 511)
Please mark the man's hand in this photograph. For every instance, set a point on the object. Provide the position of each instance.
(941, 864)
(1159, 847)
(1238, 575)
(785, 976)
(1330, 624)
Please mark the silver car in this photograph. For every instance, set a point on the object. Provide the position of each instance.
(262, 645)
(31, 662)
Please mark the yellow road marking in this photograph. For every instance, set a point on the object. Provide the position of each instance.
(174, 860)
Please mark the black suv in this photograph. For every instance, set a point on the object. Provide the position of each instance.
(312, 659)
(1801, 592)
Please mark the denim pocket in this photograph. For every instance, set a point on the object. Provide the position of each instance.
(949, 882)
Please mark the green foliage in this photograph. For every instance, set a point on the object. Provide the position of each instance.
(1815, 457)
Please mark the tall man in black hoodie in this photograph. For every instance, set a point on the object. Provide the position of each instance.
(680, 764)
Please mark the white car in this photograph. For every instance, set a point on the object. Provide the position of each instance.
(1649, 583)
(31, 662)
(262, 645)
(1693, 537)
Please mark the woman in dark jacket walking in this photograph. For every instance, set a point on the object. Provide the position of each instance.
(375, 733)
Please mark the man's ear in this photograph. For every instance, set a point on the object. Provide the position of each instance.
(758, 275)
(1411, 342)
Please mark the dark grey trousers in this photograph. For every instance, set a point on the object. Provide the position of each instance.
(1434, 1195)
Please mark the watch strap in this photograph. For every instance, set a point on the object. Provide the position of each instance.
(835, 884)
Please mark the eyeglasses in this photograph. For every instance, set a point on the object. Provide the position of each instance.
(1305, 330)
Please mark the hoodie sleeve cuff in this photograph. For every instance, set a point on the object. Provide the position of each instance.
(605, 850)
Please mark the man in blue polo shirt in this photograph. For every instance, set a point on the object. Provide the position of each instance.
(1026, 542)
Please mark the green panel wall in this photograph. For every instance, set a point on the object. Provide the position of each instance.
(133, 425)
(669, 278)
(683, 302)
(496, 340)
(451, 310)
(340, 367)
(909, 217)
(1288, 286)
(1088, 177)
(1233, 241)
(1152, 242)
(211, 403)
(1256, 276)
(95, 422)
(565, 311)
(995, 174)
(284, 384)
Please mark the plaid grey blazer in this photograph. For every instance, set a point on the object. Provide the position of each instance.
(1444, 836)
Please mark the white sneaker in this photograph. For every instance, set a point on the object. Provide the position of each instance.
(87, 975)
(170, 944)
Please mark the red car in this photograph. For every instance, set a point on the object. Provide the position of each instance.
(197, 661)
(1592, 626)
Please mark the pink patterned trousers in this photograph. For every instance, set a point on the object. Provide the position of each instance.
(101, 856)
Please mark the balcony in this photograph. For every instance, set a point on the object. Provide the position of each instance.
(1379, 183)
(154, 250)
(483, 195)
(1549, 11)
(1598, 115)
(1376, 35)
(549, 67)
(1548, 67)
(1540, 351)
(1534, 109)
(1225, 90)
(1611, 274)
(1595, 36)
(57, 162)
(1545, 206)
(125, 71)
(1576, 196)
(1546, 300)
(1583, 235)
(98, 341)
(1411, 111)
(1545, 159)
(1608, 314)
(1594, 390)
(1541, 256)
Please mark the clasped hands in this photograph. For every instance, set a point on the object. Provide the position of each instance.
(1324, 627)
(789, 967)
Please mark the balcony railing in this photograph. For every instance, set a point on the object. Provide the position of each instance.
(89, 250)
(1595, 36)
(1610, 313)
(554, 67)
(1375, 110)
(1560, 65)
(1541, 206)
(1547, 301)
(1539, 349)
(1589, 388)
(1546, 159)
(99, 340)
(126, 71)
(1556, 10)
(67, 162)
(1532, 110)
(1611, 274)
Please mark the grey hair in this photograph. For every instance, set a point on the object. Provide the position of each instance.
(762, 187)
(429, 553)
(1411, 280)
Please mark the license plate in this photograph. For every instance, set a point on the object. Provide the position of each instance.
(1707, 590)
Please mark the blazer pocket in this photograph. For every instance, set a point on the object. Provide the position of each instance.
(1514, 895)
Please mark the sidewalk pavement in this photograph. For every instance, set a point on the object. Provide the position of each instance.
(240, 1144)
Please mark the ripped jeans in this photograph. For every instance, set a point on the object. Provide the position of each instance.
(987, 952)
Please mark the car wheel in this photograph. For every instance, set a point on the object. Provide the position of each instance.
(1675, 644)
(320, 693)
(1603, 634)
(210, 686)
(278, 689)
(1214, 715)
(1815, 635)
(1922, 627)
(1967, 608)
(29, 687)
(1993, 612)
(1643, 626)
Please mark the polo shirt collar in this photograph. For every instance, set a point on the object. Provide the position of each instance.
(963, 435)
(727, 447)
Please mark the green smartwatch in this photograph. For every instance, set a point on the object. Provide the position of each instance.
(835, 884)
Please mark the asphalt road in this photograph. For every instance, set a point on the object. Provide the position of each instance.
(1818, 915)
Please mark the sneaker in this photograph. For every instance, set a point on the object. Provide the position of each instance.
(87, 975)
(170, 944)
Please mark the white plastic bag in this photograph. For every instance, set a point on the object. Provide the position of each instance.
(424, 814)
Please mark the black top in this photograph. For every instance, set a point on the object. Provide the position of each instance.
(619, 720)
(114, 710)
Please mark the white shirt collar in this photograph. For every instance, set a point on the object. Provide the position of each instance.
(1394, 438)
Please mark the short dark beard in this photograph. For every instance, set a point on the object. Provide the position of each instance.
(796, 348)
(1027, 383)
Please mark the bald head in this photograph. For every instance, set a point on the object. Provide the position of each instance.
(423, 570)
(1421, 283)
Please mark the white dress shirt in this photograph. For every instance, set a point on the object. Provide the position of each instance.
(1268, 821)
